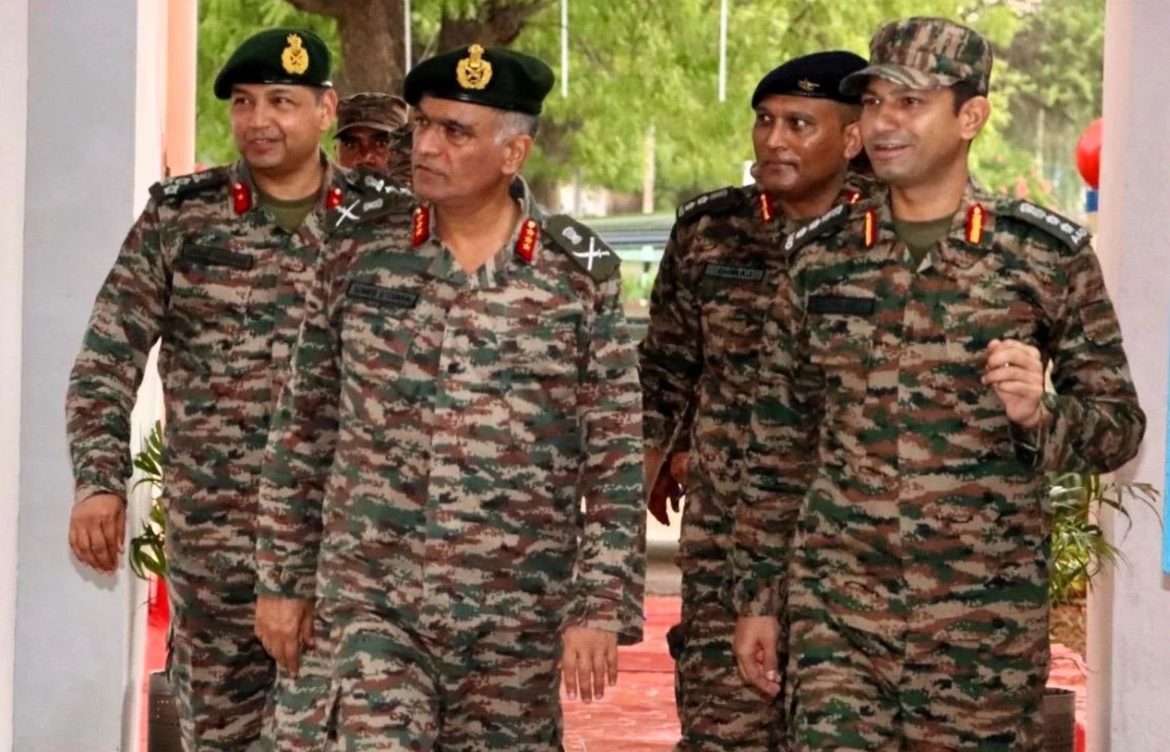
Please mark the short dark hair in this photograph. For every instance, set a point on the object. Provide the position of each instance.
(964, 92)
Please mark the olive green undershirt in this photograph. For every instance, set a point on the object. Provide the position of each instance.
(920, 237)
(289, 214)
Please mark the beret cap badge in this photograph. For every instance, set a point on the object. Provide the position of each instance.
(806, 85)
(473, 72)
(294, 58)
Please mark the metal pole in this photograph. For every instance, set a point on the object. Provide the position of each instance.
(406, 40)
(723, 51)
(564, 48)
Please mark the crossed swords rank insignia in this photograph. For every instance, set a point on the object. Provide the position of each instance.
(583, 246)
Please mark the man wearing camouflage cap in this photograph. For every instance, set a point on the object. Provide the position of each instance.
(372, 131)
(718, 274)
(919, 575)
(454, 469)
(215, 268)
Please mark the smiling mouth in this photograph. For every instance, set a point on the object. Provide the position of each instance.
(887, 151)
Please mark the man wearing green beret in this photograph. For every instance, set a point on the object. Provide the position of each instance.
(921, 330)
(455, 466)
(215, 269)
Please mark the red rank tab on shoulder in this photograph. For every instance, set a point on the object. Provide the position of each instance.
(870, 228)
(421, 229)
(976, 221)
(852, 196)
(526, 243)
(333, 198)
(767, 208)
(241, 198)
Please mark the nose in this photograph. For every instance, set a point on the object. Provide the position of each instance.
(424, 141)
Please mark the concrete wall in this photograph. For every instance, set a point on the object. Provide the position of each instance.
(13, 117)
(1129, 649)
(86, 180)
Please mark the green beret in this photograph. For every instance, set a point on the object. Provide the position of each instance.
(494, 77)
(277, 56)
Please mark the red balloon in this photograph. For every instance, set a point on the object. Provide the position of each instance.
(1089, 154)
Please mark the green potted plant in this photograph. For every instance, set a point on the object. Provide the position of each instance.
(1079, 551)
(148, 561)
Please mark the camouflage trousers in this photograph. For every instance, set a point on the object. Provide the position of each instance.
(220, 672)
(896, 649)
(718, 712)
(302, 717)
(395, 686)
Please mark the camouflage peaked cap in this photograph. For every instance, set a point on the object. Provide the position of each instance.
(277, 56)
(382, 112)
(925, 53)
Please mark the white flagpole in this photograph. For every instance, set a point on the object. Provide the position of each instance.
(406, 41)
(564, 48)
(723, 51)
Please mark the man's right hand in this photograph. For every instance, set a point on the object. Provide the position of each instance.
(666, 488)
(97, 531)
(284, 625)
(756, 641)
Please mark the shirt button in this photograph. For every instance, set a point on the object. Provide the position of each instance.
(455, 367)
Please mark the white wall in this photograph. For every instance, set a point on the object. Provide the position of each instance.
(72, 658)
(1129, 652)
(13, 116)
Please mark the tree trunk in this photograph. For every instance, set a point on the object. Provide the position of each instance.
(372, 34)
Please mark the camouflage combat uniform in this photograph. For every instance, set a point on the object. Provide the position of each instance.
(920, 568)
(210, 274)
(718, 275)
(426, 471)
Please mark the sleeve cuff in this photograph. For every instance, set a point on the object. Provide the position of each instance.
(85, 489)
(285, 583)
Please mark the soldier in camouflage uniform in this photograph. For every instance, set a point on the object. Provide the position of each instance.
(919, 572)
(462, 381)
(215, 268)
(372, 131)
(718, 274)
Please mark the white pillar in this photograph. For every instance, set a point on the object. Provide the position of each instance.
(13, 117)
(1129, 651)
(94, 140)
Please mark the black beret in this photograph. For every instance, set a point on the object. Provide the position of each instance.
(818, 76)
(495, 77)
(277, 56)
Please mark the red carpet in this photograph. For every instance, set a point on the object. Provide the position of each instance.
(638, 714)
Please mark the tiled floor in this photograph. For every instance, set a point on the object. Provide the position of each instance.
(638, 714)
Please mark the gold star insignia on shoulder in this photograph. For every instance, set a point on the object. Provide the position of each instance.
(295, 57)
(807, 86)
(473, 72)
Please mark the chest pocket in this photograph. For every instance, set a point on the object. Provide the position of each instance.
(542, 357)
(733, 299)
(377, 330)
(841, 334)
(212, 288)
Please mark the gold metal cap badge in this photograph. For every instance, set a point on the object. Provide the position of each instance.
(295, 57)
(807, 86)
(473, 72)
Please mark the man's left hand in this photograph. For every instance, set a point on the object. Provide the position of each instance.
(589, 661)
(1016, 372)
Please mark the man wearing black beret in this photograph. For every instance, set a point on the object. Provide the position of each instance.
(723, 265)
(456, 461)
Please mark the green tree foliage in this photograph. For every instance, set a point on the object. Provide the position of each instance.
(637, 66)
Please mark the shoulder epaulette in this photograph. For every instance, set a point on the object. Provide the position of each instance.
(709, 203)
(831, 220)
(1068, 232)
(582, 245)
(177, 188)
(371, 195)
